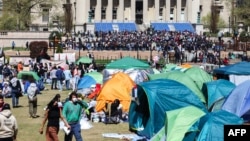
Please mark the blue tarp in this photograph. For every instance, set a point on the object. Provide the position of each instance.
(216, 90)
(241, 68)
(147, 114)
(86, 82)
(238, 102)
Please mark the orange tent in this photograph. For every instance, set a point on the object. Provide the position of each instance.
(118, 87)
(186, 66)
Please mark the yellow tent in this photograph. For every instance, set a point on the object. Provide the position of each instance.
(118, 87)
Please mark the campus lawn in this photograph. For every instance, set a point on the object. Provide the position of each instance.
(28, 128)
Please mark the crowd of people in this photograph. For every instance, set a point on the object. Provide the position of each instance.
(204, 47)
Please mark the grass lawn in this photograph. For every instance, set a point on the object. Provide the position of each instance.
(28, 128)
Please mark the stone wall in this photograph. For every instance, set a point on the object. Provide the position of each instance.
(20, 38)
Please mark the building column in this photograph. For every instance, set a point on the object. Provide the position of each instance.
(145, 11)
(167, 10)
(178, 10)
(120, 11)
(98, 10)
(132, 13)
(157, 8)
(109, 13)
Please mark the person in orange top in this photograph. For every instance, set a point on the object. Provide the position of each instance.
(20, 66)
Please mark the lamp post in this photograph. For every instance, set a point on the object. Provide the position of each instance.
(137, 50)
(75, 18)
(150, 48)
(219, 38)
(54, 43)
(247, 37)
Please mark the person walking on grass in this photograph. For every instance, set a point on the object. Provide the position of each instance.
(32, 92)
(53, 114)
(72, 111)
(8, 124)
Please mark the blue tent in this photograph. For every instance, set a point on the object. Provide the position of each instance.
(212, 125)
(86, 82)
(216, 90)
(147, 113)
(238, 102)
(241, 68)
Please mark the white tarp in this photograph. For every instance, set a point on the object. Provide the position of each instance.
(62, 57)
(238, 79)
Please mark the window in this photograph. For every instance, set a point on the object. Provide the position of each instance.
(182, 10)
(45, 15)
(161, 12)
(103, 13)
(114, 13)
(172, 11)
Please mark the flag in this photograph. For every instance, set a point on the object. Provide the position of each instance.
(66, 59)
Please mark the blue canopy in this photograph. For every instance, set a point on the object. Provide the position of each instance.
(212, 125)
(147, 113)
(241, 68)
(238, 102)
(216, 90)
(86, 82)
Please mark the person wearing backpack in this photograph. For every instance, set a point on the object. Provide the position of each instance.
(32, 99)
(60, 77)
(16, 90)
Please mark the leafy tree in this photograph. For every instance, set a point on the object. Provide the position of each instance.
(242, 11)
(20, 10)
(206, 21)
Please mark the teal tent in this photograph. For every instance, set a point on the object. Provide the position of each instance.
(199, 76)
(240, 68)
(147, 113)
(182, 78)
(217, 90)
(212, 125)
(127, 63)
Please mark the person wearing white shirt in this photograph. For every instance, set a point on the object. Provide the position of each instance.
(6, 90)
(68, 76)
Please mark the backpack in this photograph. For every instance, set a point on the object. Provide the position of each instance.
(32, 91)
(62, 76)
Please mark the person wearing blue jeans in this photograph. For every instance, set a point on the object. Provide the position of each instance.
(72, 111)
(15, 90)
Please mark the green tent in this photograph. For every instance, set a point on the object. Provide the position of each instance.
(25, 74)
(147, 113)
(98, 77)
(182, 78)
(199, 76)
(84, 60)
(184, 118)
(127, 63)
(168, 67)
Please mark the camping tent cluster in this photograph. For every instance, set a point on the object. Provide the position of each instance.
(190, 100)
(179, 103)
